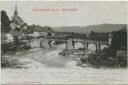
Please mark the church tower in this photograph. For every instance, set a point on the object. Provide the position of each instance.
(16, 21)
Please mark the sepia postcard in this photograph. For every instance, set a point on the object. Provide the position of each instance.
(63, 42)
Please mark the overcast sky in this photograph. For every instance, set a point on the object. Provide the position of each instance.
(87, 13)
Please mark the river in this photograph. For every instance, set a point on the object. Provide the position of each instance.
(46, 58)
(45, 66)
(38, 58)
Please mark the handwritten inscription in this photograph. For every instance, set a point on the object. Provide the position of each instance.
(54, 9)
(75, 76)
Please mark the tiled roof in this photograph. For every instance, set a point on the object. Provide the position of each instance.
(15, 33)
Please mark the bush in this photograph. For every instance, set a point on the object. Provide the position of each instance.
(8, 47)
(10, 62)
(122, 61)
(107, 58)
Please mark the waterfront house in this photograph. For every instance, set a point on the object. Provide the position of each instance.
(35, 34)
(9, 37)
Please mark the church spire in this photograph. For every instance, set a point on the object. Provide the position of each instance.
(15, 11)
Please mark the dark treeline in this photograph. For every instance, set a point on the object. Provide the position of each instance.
(115, 56)
(96, 36)
(5, 22)
(119, 39)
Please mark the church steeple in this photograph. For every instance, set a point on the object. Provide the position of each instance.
(16, 21)
(15, 11)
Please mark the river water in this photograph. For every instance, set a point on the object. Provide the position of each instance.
(38, 58)
(48, 58)
(45, 66)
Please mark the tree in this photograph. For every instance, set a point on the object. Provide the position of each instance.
(119, 39)
(5, 22)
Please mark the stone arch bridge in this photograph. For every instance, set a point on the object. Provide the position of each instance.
(72, 42)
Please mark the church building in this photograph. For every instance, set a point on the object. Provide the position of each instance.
(16, 21)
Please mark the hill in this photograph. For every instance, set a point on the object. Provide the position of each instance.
(95, 28)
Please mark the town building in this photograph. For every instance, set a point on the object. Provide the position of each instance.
(35, 34)
(44, 34)
(9, 37)
(44, 43)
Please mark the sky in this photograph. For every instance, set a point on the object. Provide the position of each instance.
(78, 13)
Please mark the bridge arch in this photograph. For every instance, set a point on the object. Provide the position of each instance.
(92, 47)
(78, 44)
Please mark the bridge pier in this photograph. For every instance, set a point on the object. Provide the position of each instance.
(73, 44)
(96, 47)
(84, 47)
(87, 45)
(49, 44)
(99, 44)
(66, 45)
